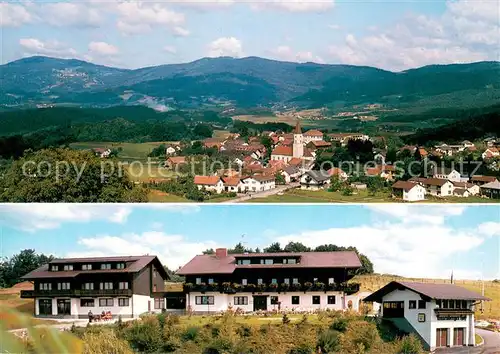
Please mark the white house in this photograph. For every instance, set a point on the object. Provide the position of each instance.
(335, 171)
(259, 183)
(233, 184)
(297, 150)
(314, 180)
(312, 135)
(441, 315)
(209, 183)
(102, 153)
(170, 150)
(449, 174)
(409, 191)
(436, 186)
(291, 173)
(490, 153)
(285, 282)
(465, 189)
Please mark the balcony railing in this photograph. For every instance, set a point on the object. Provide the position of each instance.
(231, 288)
(75, 293)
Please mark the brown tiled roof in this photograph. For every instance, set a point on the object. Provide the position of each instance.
(206, 180)
(283, 150)
(138, 263)
(439, 182)
(231, 181)
(313, 133)
(321, 143)
(430, 290)
(335, 171)
(491, 185)
(406, 185)
(462, 184)
(177, 159)
(478, 178)
(210, 264)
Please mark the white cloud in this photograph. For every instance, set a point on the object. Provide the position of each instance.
(102, 48)
(173, 250)
(14, 15)
(294, 5)
(33, 46)
(225, 46)
(170, 49)
(489, 229)
(288, 54)
(334, 27)
(70, 14)
(181, 31)
(411, 214)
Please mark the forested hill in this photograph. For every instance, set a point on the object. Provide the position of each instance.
(243, 82)
(474, 124)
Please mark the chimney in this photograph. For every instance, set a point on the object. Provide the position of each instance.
(221, 252)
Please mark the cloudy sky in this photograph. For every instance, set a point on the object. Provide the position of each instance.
(389, 34)
(418, 241)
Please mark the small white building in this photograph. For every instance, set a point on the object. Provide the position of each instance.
(209, 183)
(259, 183)
(436, 186)
(409, 191)
(465, 189)
(441, 315)
(490, 153)
(312, 135)
(449, 174)
(315, 180)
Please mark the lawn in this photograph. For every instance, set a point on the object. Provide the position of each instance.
(323, 196)
(143, 172)
(251, 320)
(156, 196)
(491, 290)
(130, 151)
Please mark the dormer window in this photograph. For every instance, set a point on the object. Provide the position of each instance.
(120, 266)
(68, 267)
(86, 266)
(54, 268)
(105, 266)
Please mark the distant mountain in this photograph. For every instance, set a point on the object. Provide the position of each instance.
(243, 82)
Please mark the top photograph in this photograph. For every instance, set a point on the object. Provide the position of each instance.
(250, 101)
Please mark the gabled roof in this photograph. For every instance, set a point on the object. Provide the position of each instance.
(439, 182)
(405, 185)
(335, 171)
(320, 143)
(283, 150)
(428, 290)
(206, 180)
(491, 185)
(177, 159)
(231, 181)
(478, 178)
(138, 263)
(318, 176)
(211, 264)
(313, 132)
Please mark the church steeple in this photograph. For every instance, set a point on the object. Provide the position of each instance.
(297, 129)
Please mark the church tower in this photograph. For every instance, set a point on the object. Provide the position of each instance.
(298, 142)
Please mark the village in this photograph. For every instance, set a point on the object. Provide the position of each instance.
(296, 161)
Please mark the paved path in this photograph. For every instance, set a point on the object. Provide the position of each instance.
(264, 194)
(491, 345)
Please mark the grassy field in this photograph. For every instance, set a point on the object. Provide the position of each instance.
(130, 151)
(156, 196)
(491, 290)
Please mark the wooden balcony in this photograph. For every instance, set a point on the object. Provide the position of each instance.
(232, 288)
(27, 294)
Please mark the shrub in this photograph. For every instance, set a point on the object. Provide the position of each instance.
(217, 346)
(145, 335)
(285, 320)
(329, 341)
(303, 348)
(360, 336)
(244, 330)
(410, 345)
(190, 334)
(339, 324)
(104, 342)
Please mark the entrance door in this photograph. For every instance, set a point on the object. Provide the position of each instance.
(458, 336)
(394, 309)
(45, 307)
(441, 337)
(64, 307)
(260, 303)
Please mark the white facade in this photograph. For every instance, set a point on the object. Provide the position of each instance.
(221, 302)
(217, 188)
(137, 305)
(309, 138)
(254, 185)
(427, 328)
(298, 145)
(417, 193)
(453, 176)
(441, 191)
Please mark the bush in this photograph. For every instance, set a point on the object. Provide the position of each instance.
(218, 346)
(104, 342)
(190, 334)
(340, 325)
(285, 320)
(244, 330)
(410, 345)
(360, 336)
(145, 335)
(303, 348)
(329, 341)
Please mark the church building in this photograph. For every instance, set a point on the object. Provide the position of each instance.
(297, 150)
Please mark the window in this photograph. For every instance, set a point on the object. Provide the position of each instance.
(421, 304)
(62, 286)
(291, 261)
(445, 304)
(106, 303)
(244, 281)
(154, 272)
(268, 261)
(123, 302)
(68, 267)
(464, 304)
(198, 281)
(295, 280)
(259, 281)
(106, 286)
(274, 281)
(286, 281)
(55, 268)
(412, 304)
(331, 299)
(159, 303)
(86, 266)
(45, 286)
(331, 281)
(295, 300)
(274, 300)
(316, 300)
(87, 303)
(120, 266)
(204, 300)
(88, 286)
(123, 285)
(243, 261)
(106, 266)
(451, 304)
(241, 300)
(210, 281)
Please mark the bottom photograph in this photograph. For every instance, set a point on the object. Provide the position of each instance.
(291, 279)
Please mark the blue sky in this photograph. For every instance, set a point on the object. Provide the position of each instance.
(419, 241)
(393, 35)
